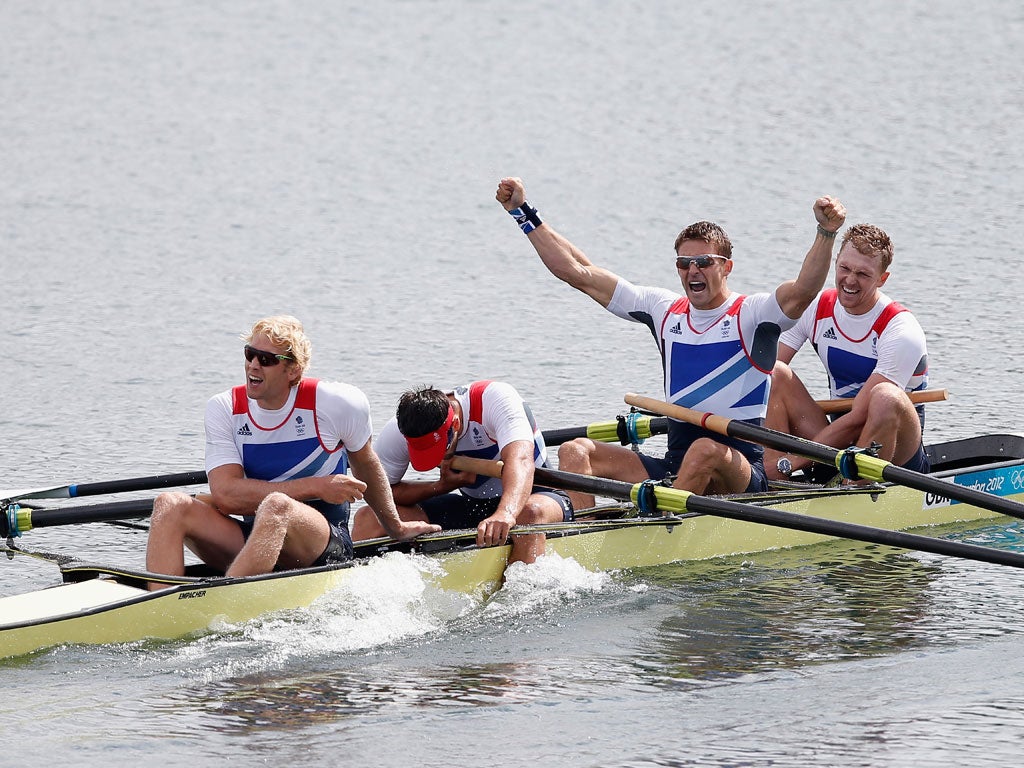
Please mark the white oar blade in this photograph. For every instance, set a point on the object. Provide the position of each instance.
(51, 492)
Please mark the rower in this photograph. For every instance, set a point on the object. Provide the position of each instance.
(486, 420)
(872, 349)
(717, 347)
(278, 451)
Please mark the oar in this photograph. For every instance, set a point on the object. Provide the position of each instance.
(77, 490)
(645, 425)
(841, 404)
(867, 467)
(626, 429)
(676, 500)
(16, 520)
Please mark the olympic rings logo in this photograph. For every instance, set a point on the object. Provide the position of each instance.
(1017, 479)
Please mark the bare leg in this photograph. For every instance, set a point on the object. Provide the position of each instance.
(286, 532)
(792, 410)
(179, 519)
(710, 467)
(526, 548)
(584, 456)
(892, 422)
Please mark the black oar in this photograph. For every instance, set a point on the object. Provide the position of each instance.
(635, 427)
(77, 490)
(674, 500)
(16, 520)
(867, 467)
(628, 429)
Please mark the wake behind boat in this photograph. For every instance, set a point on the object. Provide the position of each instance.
(98, 604)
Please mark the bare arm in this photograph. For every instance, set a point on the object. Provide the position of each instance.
(786, 353)
(794, 296)
(366, 465)
(563, 259)
(516, 488)
(235, 494)
(408, 493)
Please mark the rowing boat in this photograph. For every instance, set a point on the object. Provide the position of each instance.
(96, 604)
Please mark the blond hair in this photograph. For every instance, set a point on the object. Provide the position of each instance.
(285, 331)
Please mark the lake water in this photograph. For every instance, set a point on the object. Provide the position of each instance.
(174, 170)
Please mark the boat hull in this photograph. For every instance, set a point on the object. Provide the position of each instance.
(99, 606)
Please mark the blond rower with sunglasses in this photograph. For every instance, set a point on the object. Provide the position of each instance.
(717, 346)
(278, 449)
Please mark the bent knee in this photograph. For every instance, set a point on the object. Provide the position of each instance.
(781, 372)
(275, 504)
(575, 450)
(171, 503)
(540, 510)
(172, 508)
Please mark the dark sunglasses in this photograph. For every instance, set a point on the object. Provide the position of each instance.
(702, 262)
(267, 359)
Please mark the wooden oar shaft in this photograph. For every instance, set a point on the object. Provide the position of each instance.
(869, 467)
(646, 426)
(921, 396)
(676, 500)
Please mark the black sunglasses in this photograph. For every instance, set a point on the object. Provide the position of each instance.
(702, 262)
(267, 359)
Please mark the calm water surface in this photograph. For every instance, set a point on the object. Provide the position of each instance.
(175, 170)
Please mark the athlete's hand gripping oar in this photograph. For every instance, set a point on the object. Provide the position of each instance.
(846, 461)
(77, 490)
(651, 496)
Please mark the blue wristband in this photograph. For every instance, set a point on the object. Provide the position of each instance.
(526, 217)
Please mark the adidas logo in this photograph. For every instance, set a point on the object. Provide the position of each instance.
(675, 329)
(829, 334)
(244, 431)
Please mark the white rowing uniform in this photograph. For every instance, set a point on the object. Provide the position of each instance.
(886, 340)
(495, 415)
(716, 360)
(306, 437)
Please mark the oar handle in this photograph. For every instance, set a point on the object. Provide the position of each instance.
(486, 467)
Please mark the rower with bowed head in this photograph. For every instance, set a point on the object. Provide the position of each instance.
(717, 347)
(277, 451)
(873, 350)
(482, 420)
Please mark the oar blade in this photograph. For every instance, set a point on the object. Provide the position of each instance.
(50, 492)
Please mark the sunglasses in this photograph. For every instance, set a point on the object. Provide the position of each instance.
(267, 359)
(702, 262)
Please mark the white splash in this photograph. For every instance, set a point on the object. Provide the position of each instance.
(382, 603)
(549, 581)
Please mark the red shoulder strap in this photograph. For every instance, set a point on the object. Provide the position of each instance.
(239, 402)
(826, 303)
(680, 306)
(306, 396)
(735, 308)
(891, 310)
(476, 400)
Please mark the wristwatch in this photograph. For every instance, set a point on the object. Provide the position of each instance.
(785, 466)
